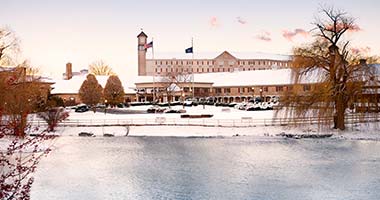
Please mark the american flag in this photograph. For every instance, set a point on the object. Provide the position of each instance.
(149, 45)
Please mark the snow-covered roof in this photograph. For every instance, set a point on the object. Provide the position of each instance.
(246, 78)
(239, 78)
(45, 79)
(73, 85)
(212, 55)
(4, 69)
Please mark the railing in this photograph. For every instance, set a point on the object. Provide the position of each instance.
(207, 122)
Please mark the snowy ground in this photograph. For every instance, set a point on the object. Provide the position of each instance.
(357, 131)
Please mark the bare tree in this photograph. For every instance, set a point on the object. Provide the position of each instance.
(19, 152)
(172, 83)
(100, 68)
(328, 77)
(19, 96)
(9, 47)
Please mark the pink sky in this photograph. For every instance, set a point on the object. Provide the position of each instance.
(55, 32)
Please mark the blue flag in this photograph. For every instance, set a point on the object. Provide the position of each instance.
(189, 50)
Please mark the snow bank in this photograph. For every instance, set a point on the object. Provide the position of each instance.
(355, 132)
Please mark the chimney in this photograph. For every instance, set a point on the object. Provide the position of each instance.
(69, 71)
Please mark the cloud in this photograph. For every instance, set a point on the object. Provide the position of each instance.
(289, 35)
(349, 27)
(241, 20)
(214, 22)
(264, 36)
(355, 28)
(361, 50)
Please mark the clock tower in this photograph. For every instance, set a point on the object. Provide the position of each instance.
(141, 42)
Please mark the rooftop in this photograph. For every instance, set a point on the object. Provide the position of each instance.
(212, 55)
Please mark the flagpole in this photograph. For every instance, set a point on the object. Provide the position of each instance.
(154, 74)
(152, 49)
(192, 71)
(192, 46)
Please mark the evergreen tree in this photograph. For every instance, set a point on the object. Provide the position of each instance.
(114, 91)
(91, 91)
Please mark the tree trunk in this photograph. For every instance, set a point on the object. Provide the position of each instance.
(339, 118)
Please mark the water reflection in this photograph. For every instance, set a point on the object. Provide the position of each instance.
(215, 168)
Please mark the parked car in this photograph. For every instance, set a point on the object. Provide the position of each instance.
(253, 106)
(172, 111)
(232, 104)
(264, 106)
(155, 109)
(241, 106)
(82, 108)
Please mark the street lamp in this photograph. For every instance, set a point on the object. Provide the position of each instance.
(105, 108)
(253, 93)
(183, 99)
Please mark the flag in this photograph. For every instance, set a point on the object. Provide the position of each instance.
(149, 45)
(189, 50)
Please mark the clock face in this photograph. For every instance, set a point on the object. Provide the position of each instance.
(142, 40)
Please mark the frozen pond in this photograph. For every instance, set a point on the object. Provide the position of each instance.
(209, 168)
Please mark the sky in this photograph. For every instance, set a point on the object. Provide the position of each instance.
(54, 32)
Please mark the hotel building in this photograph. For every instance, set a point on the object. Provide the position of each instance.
(222, 62)
(225, 76)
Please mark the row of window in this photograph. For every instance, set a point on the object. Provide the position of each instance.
(211, 62)
(243, 90)
(182, 62)
(247, 90)
(252, 90)
(203, 70)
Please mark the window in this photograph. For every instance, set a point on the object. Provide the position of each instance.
(218, 90)
(265, 89)
(306, 88)
(279, 89)
(227, 90)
